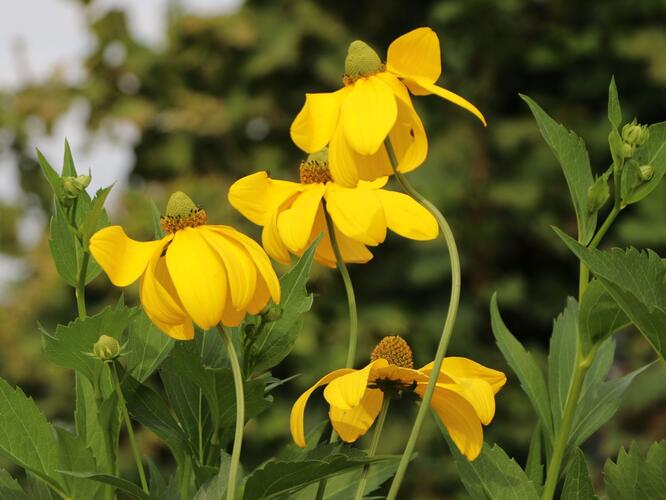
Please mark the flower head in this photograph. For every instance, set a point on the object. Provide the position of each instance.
(198, 273)
(375, 104)
(464, 396)
(293, 214)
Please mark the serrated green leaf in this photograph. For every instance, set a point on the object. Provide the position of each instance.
(599, 315)
(561, 359)
(525, 367)
(634, 477)
(147, 347)
(68, 168)
(277, 339)
(653, 153)
(36, 488)
(10, 489)
(614, 110)
(571, 153)
(51, 175)
(96, 217)
(124, 485)
(63, 245)
(534, 465)
(577, 483)
(636, 281)
(75, 456)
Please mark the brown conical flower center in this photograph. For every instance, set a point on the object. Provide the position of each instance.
(395, 350)
(315, 169)
(181, 212)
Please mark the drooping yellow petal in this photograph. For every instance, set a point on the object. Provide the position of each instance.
(354, 423)
(423, 88)
(313, 127)
(347, 391)
(459, 418)
(241, 269)
(368, 114)
(408, 138)
(232, 316)
(397, 87)
(357, 212)
(259, 257)
(352, 251)
(466, 368)
(122, 258)
(298, 410)
(295, 223)
(198, 275)
(400, 374)
(416, 54)
(257, 195)
(272, 242)
(347, 166)
(260, 298)
(407, 217)
(161, 303)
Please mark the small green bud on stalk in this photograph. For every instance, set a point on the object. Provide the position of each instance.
(627, 150)
(635, 134)
(272, 312)
(646, 172)
(73, 186)
(598, 194)
(107, 348)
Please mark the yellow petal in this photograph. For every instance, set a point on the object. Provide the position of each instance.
(357, 212)
(261, 297)
(122, 258)
(429, 88)
(416, 54)
(313, 126)
(352, 251)
(408, 138)
(459, 418)
(464, 367)
(407, 217)
(298, 410)
(397, 86)
(259, 257)
(347, 166)
(347, 391)
(270, 239)
(378, 183)
(240, 268)
(232, 316)
(198, 275)
(351, 424)
(257, 195)
(368, 114)
(295, 223)
(400, 374)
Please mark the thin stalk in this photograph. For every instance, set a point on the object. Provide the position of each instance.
(130, 430)
(81, 285)
(240, 413)
(185, 479)
(373, 446)
(447, 331)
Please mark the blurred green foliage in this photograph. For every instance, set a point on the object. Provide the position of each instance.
(215, 103)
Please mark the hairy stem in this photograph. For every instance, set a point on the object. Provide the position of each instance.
(373, 446)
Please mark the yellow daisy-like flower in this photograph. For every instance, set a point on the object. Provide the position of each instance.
(198, 272)
(292, 213)
(464, 396)
(375, 104)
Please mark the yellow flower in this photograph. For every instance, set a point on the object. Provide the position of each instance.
(375, 103)
(292, 213)
(198, 272)
(464, 396)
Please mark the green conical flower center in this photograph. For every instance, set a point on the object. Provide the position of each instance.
(181, 212)
(361, 61)
(315, 169)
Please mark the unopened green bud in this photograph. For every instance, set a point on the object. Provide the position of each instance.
(627, 150)
(634, 133)
(107, 348)
(361, 60)
(272, 312)
(598, 194)
(646, 172)
(73, 186)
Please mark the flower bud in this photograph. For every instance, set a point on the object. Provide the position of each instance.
(107, 348)
(598, 194)
(361, 60)
(646, 172)
(634, 133)
(73, 186)
(272, 312)
(627, 150)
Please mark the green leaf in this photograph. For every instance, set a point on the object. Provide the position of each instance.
(63, 245)
(122, 484)
(147, 347)
(26, 438)
(570, 151)
(216, 487)
(51, 175)
(614, 110)
(70, 344)
(577, 484)
(68, 168)
(636, 281)
(10, 489)
(75, 456)
(277, 339)
(156, 215)
(634, 477)
(599, 315)
(36, 488)
(525, 367)
(653, 153)
(534, 465)
(96, 217)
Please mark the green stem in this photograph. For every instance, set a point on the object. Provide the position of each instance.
(185, 479)
(81, 285)
(240, 413)
(349, 289)
(373, 446)
(447, 331)
(130, 430)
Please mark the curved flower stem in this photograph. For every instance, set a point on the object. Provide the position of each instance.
(447, 332)
(240, 413)
(373, 446)
(349, 289)
(128, 425)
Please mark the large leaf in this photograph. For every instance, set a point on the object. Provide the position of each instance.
(614, 110)
(96, 217)
(599, 315)
(637, 282)
(147, 347)
(216, 487)
(51, 175)
(571, 153)
(75, 456)
(577, 484)
(276, 340)
(10, 489)
(653, 153)
(634, 477)
(534, 464)
(124, 485)
(525, 367)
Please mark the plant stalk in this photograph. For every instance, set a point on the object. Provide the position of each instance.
(449, 323)
(373, 446)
